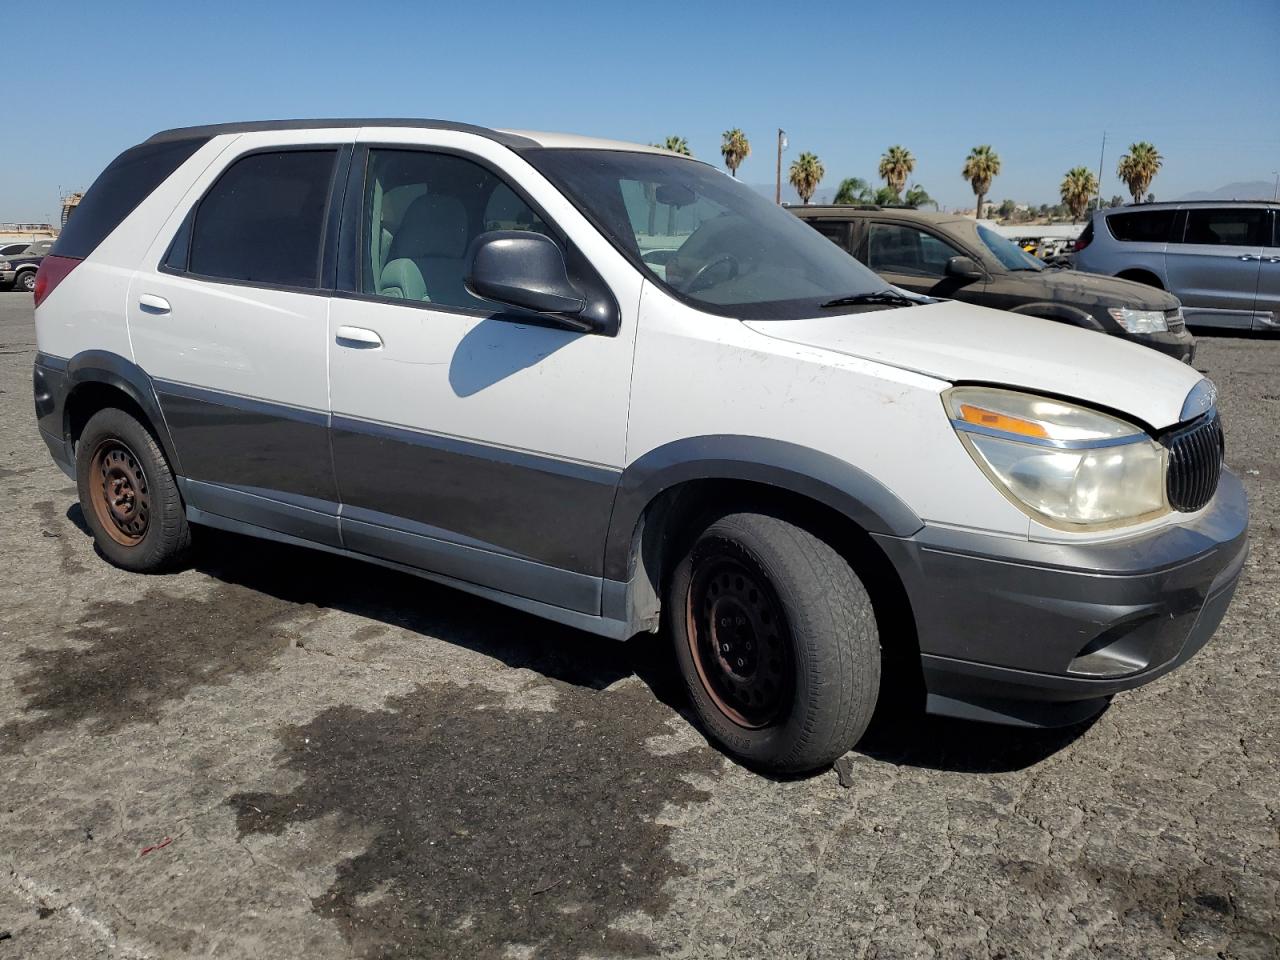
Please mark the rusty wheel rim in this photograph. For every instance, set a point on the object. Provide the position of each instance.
(119, 492)
(739, 640)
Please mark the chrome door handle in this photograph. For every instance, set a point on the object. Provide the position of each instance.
(358, 338)
(150, 303)
(1248, 256)
(1273, 259)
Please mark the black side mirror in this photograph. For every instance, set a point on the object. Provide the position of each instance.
(964, 268)
(526, 270)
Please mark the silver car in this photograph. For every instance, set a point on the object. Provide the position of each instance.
(1220, 258)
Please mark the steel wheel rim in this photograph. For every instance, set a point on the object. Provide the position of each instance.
(119, 492)
(738, 637)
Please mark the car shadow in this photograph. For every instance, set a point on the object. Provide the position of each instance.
(900, 733)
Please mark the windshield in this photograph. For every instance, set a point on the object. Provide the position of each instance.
(1007, 252)
(704, 236)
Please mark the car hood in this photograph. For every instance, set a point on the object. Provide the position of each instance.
(960, 342)
(1083, 289)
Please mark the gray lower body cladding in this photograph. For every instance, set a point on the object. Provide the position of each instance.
(1043, 634)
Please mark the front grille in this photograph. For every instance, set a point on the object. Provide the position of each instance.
(1195, 462)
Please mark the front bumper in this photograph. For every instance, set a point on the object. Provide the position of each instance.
(6, 277)
(1043, 634)
(1180, 345)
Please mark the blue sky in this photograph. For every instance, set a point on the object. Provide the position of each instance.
(1039, 81)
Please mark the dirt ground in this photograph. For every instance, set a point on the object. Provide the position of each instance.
(283, 754)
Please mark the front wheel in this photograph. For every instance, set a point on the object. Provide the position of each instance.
(777, 642)
(128, 494)
(26, 281)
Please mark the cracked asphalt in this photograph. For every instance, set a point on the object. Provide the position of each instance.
(279, 753)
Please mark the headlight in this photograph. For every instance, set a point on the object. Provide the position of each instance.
(1140, 321)
(1067, 466)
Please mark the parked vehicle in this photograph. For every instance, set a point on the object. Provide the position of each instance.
(304, 331)
(946, 255)
(21, 271)
(1220, 258)
(14, 249)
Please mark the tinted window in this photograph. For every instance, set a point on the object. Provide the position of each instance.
(421, 212)
(837, 231)
(263, 221)
(1146, 226)
(1231, 227)
(118, 190)
(895, 248)
(733, 251)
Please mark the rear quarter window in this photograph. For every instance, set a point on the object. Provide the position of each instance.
(1146, 226)
(126, 182)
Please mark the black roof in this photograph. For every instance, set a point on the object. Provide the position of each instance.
(511, 140)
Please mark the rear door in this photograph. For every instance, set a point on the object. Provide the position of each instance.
(229, 317)
(1213, 264)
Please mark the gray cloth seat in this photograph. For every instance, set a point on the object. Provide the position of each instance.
(427, 258)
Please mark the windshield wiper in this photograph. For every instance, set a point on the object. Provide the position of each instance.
(879, 296)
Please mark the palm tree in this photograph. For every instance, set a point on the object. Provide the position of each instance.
(1078, 188)
(806, 174)
(885, 197)
(1138, 168)
(676, 145)
(918, 196)
(980, 168)
(895, 167)
(853, 190)
(734, 147)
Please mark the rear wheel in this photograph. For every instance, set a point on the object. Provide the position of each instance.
(128, 494)
(777, 642)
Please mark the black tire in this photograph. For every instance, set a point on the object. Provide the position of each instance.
(26, 281)
(128, 494)
(824, 655)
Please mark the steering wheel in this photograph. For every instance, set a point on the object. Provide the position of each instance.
(707, 267)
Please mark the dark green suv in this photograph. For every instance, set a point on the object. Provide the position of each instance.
(946, 255)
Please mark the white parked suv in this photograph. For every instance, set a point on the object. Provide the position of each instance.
(443, 349)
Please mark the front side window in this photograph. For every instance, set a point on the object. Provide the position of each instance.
(263, 221)
(421, 212)
(897, 248)
(1240, 228)
(704, 236)
(1142, 226)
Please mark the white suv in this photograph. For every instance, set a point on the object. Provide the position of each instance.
(601, 382)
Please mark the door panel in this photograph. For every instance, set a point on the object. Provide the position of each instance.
(1214, 269)
(239, 361)
(1266, 311)
(467, 440)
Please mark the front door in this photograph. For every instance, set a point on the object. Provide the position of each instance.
(916, 260)
(1213, 269)
(477, 444)
(231, 325)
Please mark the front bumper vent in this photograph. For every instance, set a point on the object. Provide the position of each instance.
(1195, 462)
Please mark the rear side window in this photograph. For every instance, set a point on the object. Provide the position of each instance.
(1147, 226)
(1227, 227)
(837, 231)
(118, 191)
(263, 221)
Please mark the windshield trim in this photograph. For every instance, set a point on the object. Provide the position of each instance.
(759, 310)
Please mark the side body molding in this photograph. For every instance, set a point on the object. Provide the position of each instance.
(110, 369)
(777, 463)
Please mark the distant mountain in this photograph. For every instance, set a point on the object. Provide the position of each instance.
(789, 194)
(1245, 190)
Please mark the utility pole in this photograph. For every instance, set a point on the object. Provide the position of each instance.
(777, 189)
(1275, 194)
(1102, 154)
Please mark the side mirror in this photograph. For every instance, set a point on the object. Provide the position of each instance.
(527, 270)
(964, 268)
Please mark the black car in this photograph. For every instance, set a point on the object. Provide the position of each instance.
(18, 271)
(945, 255)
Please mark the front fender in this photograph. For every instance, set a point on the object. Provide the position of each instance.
(1060, 313)
(810, 473)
